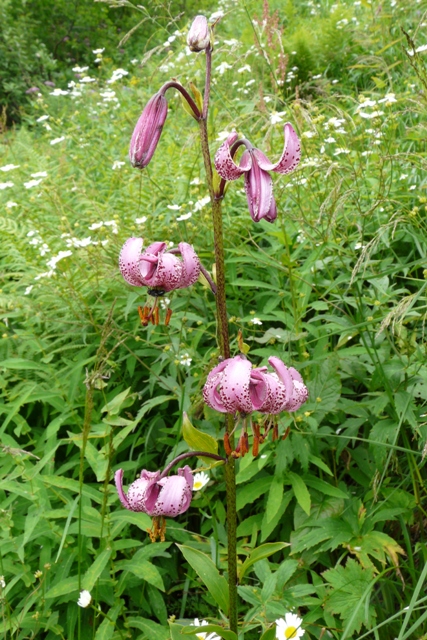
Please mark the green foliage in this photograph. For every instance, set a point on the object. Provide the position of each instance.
(332, 514)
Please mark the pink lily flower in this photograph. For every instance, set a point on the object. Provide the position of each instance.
(147, 131)
(199, 37)
(234, 387)
(255, 166)
(157, 496)
(158, 269)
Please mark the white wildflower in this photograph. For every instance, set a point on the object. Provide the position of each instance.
(32, 183)
(141, 220)
(84, 599)
(39, 174)
(117, 164)
(200, 480)
(174, 207)
(289, 627)
(255, 321)
(204, 636)
(5, 185)
(10, 204)
(9, 167)
(184, 216)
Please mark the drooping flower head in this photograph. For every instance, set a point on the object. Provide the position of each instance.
(233, 386)
(254, 165)
(157, 496)
(147, 131)
(289, 628)
(199, 37)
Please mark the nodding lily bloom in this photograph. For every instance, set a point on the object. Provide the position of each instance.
(156, 496)
(233, 386)
(156, 268)
(147, 131)
(199, 37)
(255, 166)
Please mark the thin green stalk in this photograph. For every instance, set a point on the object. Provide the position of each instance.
(224, 346)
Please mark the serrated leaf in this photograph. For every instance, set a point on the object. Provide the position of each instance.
(197, 440)
(263, 551)
(209, 574)
(325, 488)
(301, 492)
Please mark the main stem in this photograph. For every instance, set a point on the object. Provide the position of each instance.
(224, 346)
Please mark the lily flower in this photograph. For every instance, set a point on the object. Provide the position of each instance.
(147, 131)
(233, 386)
(157, 496)
(199, 37)
(254, 165)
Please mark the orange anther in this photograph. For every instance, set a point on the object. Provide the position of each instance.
(227, 444)
(168, 317)
(285, 435)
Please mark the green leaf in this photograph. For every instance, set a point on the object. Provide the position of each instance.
(259, 553)
(270, 634)
(209, 574)
(114, 406)
(209, 628)
(150, 404)
(325, 488)
(145, 570)
(141, 520)
(301, 492)
(63, 587)
(197, 440)
(93, 573)
(349, 589)
(274, 500)
(107, 627)
(151, 629)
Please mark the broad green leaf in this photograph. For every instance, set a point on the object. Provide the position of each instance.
(209, 628)
(74, 486)
(301, 492)
(145, 570)
(264, 551)
(252, 491)
(209, 574)
(63, 587)
(197, 440)
(274, 500)
(270, 634)
(325, 488)
(151, 629)
(150, 404)
(115, 405)
(141, 520)
(93, 573)
(107, 627)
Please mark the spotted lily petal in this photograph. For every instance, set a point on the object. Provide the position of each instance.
(225, 164)
(290, 157)
(234, 389)
(147, 131)
(259, 193)
(118, 479)
(190, 266)
(211, 393)
(129, 261)
(168, 275)
(170, 496)
(292, 380)
(277, 396)
(258, 388)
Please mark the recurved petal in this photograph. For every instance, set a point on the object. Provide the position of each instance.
(210, 391)
(225, 164)
(258, 388)
(136, 495)
(129, 261)
(276, 395)
(290, 157)
(175, 495)
(149, 261)
(190, 265)
(299, 396)
(284, 376)
(259, 193)
(169, 271)
(234, 386)
(118, 479)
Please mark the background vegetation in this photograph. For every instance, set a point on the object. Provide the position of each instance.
(336, 287)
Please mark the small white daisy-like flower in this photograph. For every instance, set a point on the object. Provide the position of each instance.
(31, 183)
(10, 204)
(204, 636)
(174, 207)
(289, 627)
(57, 140)
(84, 599)
(184, 216)
(9, 167)
(6, 185)
(42, 118)
(255, 321)
(117, 164)
(28, 290)
(200, 480)
(141, 220)
(39, 174)
(2, 582)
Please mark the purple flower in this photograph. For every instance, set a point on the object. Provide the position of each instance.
(158, 269)
(198, 38)
(255, 165)
(147, 131)
(234, 387)
(32, 90)
(157, 496)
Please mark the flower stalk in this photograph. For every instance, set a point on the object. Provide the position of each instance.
(224, 347)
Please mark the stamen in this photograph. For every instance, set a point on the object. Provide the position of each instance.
(168, 317)
(285, 435)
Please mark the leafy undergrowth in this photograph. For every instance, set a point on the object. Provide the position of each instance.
(336, 287)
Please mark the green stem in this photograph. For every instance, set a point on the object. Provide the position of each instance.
(224, 346)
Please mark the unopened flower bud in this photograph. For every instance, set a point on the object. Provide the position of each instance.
(147, 131)
(199, 36)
